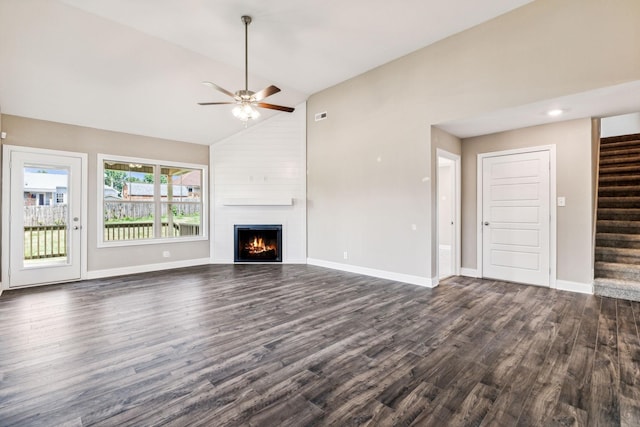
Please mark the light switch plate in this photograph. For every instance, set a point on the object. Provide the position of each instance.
(562, 201)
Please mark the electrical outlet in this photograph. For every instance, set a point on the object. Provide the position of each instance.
(346, 255)
(166, 254)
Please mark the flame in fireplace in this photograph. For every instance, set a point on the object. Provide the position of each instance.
(257, 245)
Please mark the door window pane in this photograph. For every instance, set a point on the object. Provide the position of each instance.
(46, 215)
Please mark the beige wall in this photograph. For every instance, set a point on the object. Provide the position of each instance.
(42, 134)
(573, 168)
(368, 161)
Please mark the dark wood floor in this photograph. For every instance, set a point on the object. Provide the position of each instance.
(277, 345)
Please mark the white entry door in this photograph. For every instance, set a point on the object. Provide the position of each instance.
(45, 217)
(515, 217)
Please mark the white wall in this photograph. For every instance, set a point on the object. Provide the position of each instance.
(626, 124)
(263, 165)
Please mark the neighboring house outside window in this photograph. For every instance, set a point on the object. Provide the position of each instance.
(44, 189)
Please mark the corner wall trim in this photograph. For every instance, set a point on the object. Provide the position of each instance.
(99, 274)
(469, 272)
(382, 274)
(582, 288)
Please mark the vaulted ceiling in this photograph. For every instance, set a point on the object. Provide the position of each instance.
(137, 66)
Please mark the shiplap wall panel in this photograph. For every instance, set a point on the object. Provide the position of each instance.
(265, 162)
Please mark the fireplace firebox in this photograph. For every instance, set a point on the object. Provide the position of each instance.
(258, 243)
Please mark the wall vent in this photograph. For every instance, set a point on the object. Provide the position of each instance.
(321, 116)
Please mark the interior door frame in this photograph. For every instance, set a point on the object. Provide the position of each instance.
(552, 205)
(457, 189)
(7, 150)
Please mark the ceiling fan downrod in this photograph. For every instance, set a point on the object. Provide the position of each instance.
(246, 20)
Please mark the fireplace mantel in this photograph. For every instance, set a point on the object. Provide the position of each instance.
(282, 201)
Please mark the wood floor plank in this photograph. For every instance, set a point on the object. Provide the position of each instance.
(296, 345)
(628, 351)
(576, 389)
(604, 408)
(568, 416)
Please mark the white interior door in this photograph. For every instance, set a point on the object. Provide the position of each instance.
(44, 225)
(515, 217)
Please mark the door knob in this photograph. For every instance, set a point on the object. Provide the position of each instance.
(486, 223)
(75, 227)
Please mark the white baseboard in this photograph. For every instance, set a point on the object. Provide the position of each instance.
(582, 288)
(99, 274)
(469, 272)
(295, 261)
(382, 274)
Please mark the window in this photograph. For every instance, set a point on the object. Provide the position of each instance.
(146, 201)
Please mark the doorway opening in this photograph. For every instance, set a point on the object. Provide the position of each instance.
(448, 214)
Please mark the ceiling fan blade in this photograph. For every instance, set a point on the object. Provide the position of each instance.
(267, 91)
(218, 88)
(275, 107)
(215, 103)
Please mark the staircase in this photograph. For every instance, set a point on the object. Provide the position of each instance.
(617, 258)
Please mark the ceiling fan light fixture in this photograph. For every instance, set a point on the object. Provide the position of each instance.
(245, 112)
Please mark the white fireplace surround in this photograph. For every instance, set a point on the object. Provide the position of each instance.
(259, 177)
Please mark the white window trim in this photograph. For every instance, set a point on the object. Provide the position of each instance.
(101, 243)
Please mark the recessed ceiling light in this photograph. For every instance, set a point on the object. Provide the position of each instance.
(555, 112)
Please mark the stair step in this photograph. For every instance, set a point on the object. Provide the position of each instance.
(632, 159)
(620, 151)
(619, 145)
(618, 240)
(619, 191)
(617, 169)
(618, 202)
(617, 227)
(615, 288)
(619, 214)
(616, 270)
(614, 139)
(619, 180)
(621, 255)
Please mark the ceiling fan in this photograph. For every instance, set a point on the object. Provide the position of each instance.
(246, 100)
